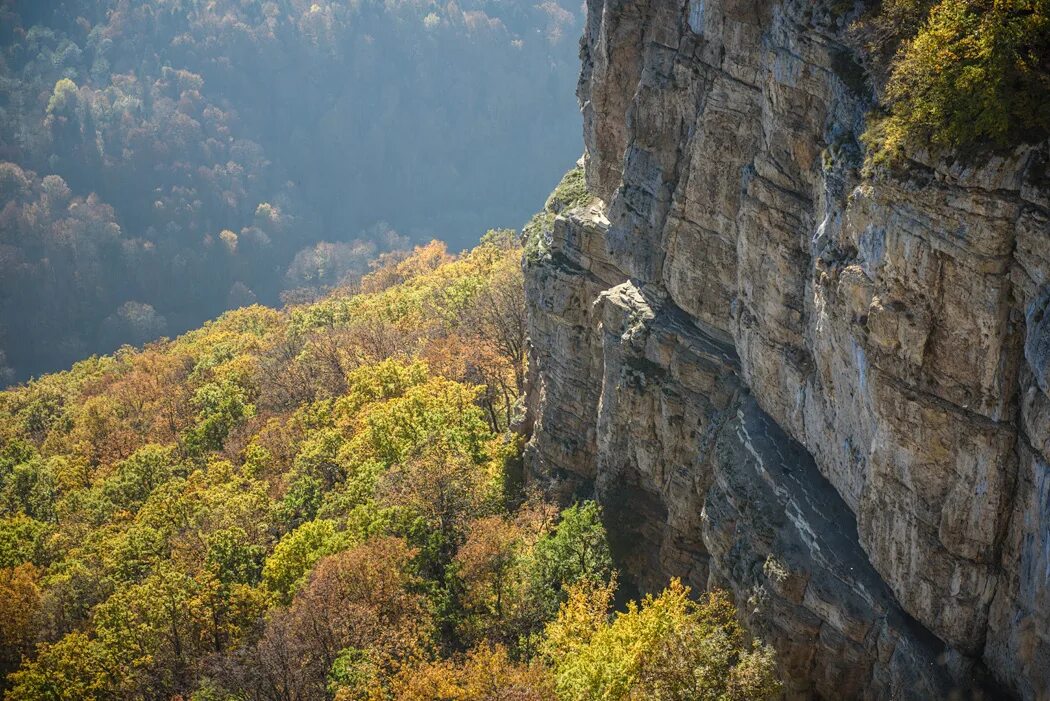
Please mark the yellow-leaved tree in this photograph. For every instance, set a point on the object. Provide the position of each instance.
(669, 647)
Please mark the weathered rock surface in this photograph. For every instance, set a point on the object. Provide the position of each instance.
(828, 393)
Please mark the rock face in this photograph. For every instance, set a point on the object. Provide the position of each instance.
(825, 392)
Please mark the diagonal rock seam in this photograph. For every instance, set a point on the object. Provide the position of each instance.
(826, 392)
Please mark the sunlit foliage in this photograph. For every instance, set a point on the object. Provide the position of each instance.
(667, 647)
(303, 505)
(971, 74)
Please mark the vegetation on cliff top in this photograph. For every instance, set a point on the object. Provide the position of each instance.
(325, 503)
(964, 75)
(570, 192)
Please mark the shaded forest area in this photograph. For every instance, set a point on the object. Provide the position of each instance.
(164, 160)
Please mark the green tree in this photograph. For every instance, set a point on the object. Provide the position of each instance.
(22, 539)
(29, 486)
(138, 475)
(578, 549)
(233, 557)
(295, 555)
(221, 406)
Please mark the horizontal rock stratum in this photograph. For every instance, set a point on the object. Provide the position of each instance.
(825, 391)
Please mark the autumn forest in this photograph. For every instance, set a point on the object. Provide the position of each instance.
(326, 502)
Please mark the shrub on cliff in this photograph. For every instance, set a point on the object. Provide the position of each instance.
(570, 193)
(976, 74)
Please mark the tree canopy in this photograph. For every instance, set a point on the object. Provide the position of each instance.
(316, 504)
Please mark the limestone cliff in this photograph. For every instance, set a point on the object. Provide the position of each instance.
(829, 393)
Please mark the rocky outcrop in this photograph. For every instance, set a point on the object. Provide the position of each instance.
(829, 393)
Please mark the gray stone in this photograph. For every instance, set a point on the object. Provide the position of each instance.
(888, 334)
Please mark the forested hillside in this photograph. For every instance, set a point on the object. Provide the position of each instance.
(325, 503)
(163, 161)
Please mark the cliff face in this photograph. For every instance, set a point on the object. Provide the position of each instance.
(827, 393)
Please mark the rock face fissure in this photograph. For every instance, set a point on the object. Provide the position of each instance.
(827, 393)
